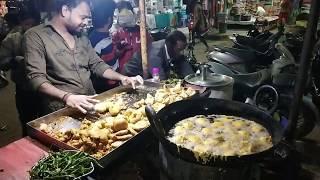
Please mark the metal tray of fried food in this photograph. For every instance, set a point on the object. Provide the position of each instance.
(74, 121)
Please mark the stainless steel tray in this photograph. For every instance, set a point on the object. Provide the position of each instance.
(34, 131)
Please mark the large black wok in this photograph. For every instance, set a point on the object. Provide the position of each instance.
(167, 117)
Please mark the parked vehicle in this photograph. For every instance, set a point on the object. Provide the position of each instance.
(271, 89)
(246, 59)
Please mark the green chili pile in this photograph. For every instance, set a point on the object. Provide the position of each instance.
(63, 165)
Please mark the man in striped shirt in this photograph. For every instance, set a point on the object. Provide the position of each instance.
(102, 19)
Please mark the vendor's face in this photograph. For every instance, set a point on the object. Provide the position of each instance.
(77, 18)
(178, 48)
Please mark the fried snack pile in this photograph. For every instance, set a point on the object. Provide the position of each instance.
(220, 135)
(117, 121)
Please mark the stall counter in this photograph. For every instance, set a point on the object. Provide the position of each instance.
(17, 158)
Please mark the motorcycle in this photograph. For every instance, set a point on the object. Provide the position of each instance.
(293, 42)
(254, 32)
(248, 57)
(271, 89)
(259, 41)
(245, 84)
(284, 74)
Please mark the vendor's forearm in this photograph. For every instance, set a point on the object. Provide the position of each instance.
(49, 89)
(113, 75)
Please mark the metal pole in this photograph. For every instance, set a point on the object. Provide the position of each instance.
(305, 62)
(143, 38)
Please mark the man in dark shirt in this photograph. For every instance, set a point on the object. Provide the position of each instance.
(59, 61)
(167, 55)
(11, 57)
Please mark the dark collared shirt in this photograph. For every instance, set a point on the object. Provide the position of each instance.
(9, 50)
(49, 59)
(159, 58)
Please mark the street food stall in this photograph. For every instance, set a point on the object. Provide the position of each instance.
(117, 126)
(197, 137)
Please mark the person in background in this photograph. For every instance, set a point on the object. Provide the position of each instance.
(11, 57)
(285, 10)
(3, 28)
(260, 10)
(166, 55)
(198, 25)
(127, 37)
(102, 19)
(136, 9)
(261, 22)
(59, 59)
(8, 24)
(12, 19)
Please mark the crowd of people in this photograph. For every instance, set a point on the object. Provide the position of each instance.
(55, 64)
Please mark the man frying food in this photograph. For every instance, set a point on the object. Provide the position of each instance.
(59, 60)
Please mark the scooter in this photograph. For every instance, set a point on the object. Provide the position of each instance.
(245, 84)
(271, 90)
(284, 74)
(259, 42)
(247, 59)
(243, 60)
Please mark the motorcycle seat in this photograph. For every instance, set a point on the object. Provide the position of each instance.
(261, 46)
(242, 54)
(249, 41)
(263, 36)
(231, 55)
(247, 80)
(253, 80)
(240, 60)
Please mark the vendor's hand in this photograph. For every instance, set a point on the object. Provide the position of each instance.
(132, 80)
(81, 102)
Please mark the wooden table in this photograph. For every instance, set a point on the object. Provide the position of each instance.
(17, 158)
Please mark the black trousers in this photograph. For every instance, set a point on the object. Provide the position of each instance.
(197, 33)
(28, 106)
